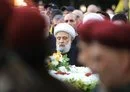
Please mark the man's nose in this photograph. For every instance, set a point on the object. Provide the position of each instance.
(69, 22)
(61, 40)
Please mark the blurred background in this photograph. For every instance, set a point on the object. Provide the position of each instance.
(104, 4)
(115, 5)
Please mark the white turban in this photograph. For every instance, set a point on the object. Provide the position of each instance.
(92, 16)
(64, 27)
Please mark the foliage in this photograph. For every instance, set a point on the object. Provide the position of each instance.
(58, 60)
(79, 84)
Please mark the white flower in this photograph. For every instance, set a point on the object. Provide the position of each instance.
(77, 73)
(75, 69)
(55, 63)
(52, 58)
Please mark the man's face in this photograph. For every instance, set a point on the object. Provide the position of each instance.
(63, 42)
(71, 20)
(107, 62)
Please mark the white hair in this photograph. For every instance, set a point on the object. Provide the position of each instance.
(64, 49)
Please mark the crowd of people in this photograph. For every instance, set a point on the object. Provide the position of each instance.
(95, 39)
(63, 23)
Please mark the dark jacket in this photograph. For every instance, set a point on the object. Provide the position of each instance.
(73, 53)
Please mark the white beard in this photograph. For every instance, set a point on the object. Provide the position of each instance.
(64, 49)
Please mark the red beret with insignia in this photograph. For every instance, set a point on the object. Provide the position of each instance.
(106, 33)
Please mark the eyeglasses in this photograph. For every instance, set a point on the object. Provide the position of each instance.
(69, 20)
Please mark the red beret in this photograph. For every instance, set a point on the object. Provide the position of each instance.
(106, 33)
(85, 30)
(26, 28)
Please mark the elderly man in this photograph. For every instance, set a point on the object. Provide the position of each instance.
(79, 15)
(71, 20)
(65, 34)
(106, 48)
